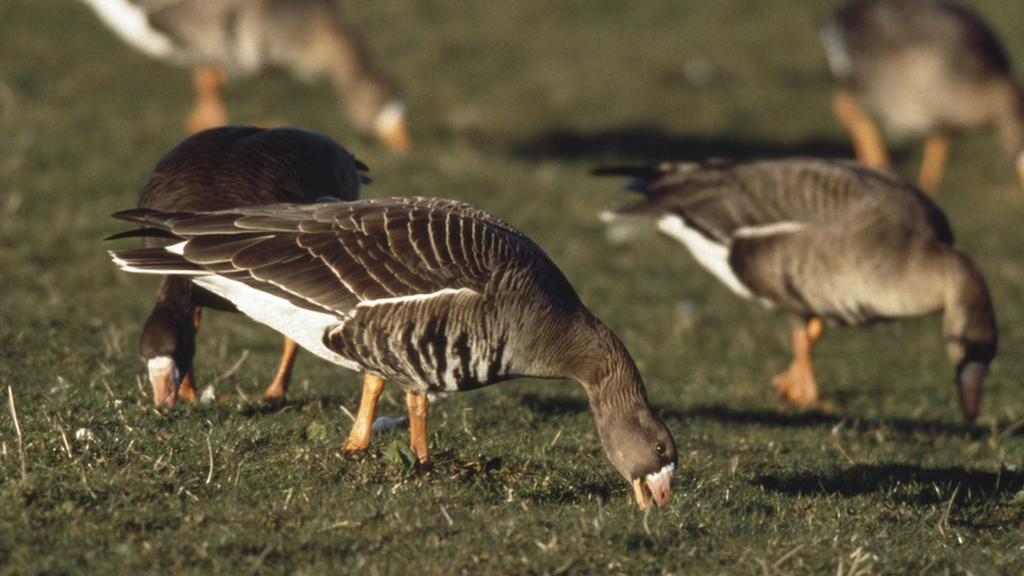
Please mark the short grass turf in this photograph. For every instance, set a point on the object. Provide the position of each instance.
(511, 105)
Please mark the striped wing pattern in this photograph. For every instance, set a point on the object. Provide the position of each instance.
(412, 281)
(814, 237)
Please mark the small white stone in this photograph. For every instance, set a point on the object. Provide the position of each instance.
(385, 423)
(209, 395)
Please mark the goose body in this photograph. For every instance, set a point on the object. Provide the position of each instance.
(825, 241)
(223, 168)
(245, 37)
(432, 294)
(925, 68)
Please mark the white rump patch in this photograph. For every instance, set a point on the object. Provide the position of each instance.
(622, 230)
(306, 327)
(608, 216)
(710, 254)
(131, 23)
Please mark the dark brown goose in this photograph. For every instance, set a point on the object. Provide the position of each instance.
(223, 168)
(825, 241)
(433, 294)
(243, 37)
(924, 67)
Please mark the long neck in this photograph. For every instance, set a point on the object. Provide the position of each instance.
(169, 330)
(363, 89)
(968, 325)
(605, 368)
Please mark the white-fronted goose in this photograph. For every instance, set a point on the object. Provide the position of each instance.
(825, 240)
(432, 294)
(924, 67)
(242, 37)
(223, 168)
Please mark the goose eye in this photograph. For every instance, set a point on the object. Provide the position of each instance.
(660, 449)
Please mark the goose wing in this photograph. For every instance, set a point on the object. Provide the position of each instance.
(811, 236)
(403, 287)
(334, 256)
(723, 199)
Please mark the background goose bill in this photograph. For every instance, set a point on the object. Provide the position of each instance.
(165, 378)
(971, 380)
(1019, 165)
(656, 486)
(390, 127)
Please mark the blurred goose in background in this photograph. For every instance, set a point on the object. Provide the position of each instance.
(218, 169)
(242, 37)
(824, 241)
(432, 294)
(925, 68)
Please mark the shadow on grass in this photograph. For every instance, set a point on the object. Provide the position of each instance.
(906, 482)
(553, 405)
(651, 144)
(491, 478)
(562, 405)
(241, 406)
(810, 419)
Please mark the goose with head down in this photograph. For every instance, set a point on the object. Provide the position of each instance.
(433, 294)
(244, 37)
(824, 241)
(223, 168)
(926, 68)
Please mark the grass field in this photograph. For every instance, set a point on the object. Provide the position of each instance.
(511, 104)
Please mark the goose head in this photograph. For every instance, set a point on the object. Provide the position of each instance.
(969, 329)
(972, 355)
(641, 448)
(168, 345)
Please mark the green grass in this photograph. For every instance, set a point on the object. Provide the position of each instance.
(512, 103)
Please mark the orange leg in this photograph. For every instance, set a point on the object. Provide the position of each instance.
(209, 110)
(417, 404)
(797, 384)
(188, 390)
(359, 438)
(279, 387)
(936, 150)
(867, 141)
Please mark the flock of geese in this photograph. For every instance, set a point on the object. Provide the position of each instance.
(438, 296)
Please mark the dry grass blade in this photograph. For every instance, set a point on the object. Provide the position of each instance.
(17, 428)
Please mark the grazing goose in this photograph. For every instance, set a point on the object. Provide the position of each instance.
(824, 241)
(223, 168)
(925, 68)
(433, 294)
(242, 37)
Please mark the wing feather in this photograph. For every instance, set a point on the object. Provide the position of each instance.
(337, 254)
